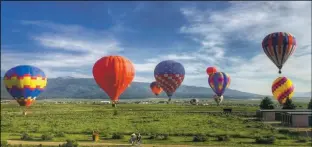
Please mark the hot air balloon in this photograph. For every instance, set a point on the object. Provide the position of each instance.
(113, 74)
(25, 83)
(282, 89)
(278, 47)
(156, 89)
(218, 82)
(218, 99)
(169, 75)
(211, 70)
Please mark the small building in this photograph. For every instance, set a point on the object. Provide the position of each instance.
(275, 114)
(297, 119)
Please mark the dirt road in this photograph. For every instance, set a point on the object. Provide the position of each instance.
(17, 142)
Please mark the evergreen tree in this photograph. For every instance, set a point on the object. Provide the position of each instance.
(289, 104)
(266, 103)
(310, 104)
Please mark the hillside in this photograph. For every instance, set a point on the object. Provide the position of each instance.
(87, 88)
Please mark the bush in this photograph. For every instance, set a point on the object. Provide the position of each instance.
(117, 136)
(223, 138)
(289, 104)
(200, 138)
(284, 131)
(115, 112)
(266, 103)
(70, 143)
(302, 140)
(166, 136)
(4, 143)
(104, 134)
(159, 136)
(310, 104)
(47, 136)
(265, 140)
(152, 136)
(59, 134)
(26, 136)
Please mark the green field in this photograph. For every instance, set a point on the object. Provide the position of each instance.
(180, 122)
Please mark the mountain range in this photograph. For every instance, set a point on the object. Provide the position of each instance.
(69, 87)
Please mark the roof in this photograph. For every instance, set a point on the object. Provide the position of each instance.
(299, 113)
(286, 110)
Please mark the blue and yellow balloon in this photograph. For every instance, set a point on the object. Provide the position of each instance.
(25, 83)
(218, 82)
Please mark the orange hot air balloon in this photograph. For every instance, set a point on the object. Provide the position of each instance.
(211, 70)
(156, 89)
(113, 74)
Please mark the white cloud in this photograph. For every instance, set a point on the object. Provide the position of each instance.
(251, 22)
(247, 22)
(64, 40)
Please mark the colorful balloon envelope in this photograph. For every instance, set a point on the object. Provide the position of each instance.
(218, 82)
(169, 75)
(156, 89)
(218, 99)
(278, 47)
(113, 74)
(211, 70)
(25, 83)
(282, 89)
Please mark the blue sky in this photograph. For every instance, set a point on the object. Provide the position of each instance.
(66, 38)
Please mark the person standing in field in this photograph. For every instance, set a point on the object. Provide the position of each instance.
(139, 137)
(133, 138)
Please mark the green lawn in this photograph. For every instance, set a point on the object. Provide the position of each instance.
(77, 121)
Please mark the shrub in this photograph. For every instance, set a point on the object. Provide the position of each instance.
(266, 103)
(159, 136)
(115, 112)
(265, 140)
(70, 143)
(104, 134)
(26, 136)
(200, 138)
(302, 140)
(289, 104)
(283, 131)
(223, 138)
(47, 136)
(310, 104)
(4, 143)
(152, 136)
(59, 134)
(117, 136)
(166, 136)
(282, 137)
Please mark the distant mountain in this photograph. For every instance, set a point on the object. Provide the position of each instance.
(69, 87)
(303, 94)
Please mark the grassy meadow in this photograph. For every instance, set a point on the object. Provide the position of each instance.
(157, 123)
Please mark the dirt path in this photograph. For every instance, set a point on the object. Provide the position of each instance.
(17, 142)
